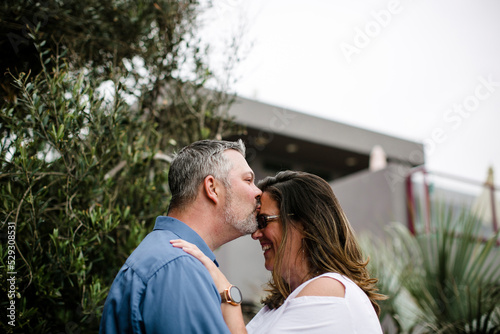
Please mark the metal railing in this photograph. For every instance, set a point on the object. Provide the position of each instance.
(425, 212)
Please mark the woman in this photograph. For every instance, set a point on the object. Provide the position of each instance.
(319, 278)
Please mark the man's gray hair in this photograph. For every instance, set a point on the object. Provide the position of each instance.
(195, 162)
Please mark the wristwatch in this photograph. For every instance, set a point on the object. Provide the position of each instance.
(232, 295)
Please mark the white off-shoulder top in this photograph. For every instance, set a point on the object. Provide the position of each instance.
(320, 314)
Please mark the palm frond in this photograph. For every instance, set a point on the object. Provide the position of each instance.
(449, 277)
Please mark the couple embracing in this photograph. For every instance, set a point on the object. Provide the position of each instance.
(171, 282)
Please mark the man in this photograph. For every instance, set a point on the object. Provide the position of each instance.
(162, 289)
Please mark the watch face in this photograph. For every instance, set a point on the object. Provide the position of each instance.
(235, 294)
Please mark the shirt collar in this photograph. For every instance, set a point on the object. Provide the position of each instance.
(184, 232)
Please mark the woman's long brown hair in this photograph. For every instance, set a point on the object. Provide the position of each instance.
(307, 202)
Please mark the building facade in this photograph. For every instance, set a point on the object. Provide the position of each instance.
(282, 139)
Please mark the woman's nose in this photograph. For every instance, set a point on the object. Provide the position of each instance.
(257, 234)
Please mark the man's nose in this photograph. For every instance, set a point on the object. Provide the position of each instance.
(258, 192)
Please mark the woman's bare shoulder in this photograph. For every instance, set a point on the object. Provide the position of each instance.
(323, 286)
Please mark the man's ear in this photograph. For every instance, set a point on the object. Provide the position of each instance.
(211, 188)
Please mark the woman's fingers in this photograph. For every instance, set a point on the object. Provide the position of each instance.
(193, 250)
(179, 243)
(220, 280)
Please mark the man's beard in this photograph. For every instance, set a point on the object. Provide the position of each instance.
(246, 225)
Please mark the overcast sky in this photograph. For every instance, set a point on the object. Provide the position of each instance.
(425, 70)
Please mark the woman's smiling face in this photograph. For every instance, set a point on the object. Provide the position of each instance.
(270, 239)
(270, 236)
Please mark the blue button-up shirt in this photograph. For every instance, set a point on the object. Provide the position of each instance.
(162, 289)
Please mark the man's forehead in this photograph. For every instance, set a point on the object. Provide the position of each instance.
(235, 156)
(240, 165)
